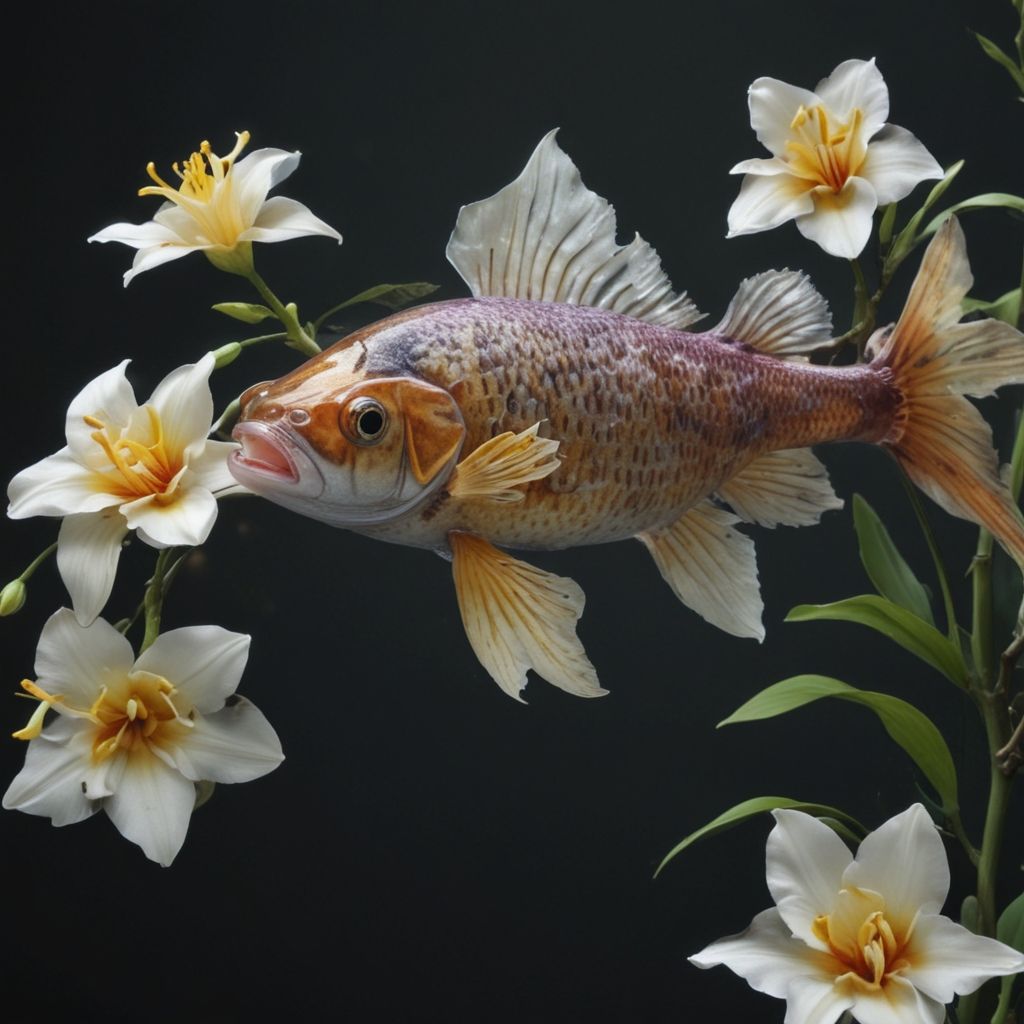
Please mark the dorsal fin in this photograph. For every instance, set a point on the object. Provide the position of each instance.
(779, 313)
(547, 237)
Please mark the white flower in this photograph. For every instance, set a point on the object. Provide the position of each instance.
(834, 159)
(861, 934)
(220, 208)
(134, 736)
(126, 467)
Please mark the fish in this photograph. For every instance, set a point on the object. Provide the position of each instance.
(567, 402)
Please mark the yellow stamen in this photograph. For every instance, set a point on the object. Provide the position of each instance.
(825, 153)
(140, 469)
(35, 724)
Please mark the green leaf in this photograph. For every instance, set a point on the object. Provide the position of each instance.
(1001, 58)
(247, 312)
(391, 296)
(748, 809)
(885, 566)
(1010, 927)
(1006, 308)
(910, 728)
(886, 224)
(998, 200)
(907, 238)
(910, 632)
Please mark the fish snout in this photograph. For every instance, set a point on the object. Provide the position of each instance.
(272, 458)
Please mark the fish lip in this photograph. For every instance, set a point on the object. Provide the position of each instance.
(273, 457)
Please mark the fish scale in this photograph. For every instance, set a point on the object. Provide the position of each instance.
(649, 419)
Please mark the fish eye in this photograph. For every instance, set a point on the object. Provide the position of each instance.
(365, 421)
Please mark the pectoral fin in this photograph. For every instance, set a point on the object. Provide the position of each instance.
(518, 617)
(500, 466)
(711, 568)
(789, 487)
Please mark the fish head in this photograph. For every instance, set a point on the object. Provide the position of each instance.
(353, 452)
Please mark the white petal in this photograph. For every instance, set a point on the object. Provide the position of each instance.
(88, 547)
(768, 957)
(139, 236)
(109, 397)
(281, 219)
(805, 864)
(815, 1001)
(186, 520)
(147, 259)
(56, 486)
(204, 662)
(767, 202)
(56, 765)
(78, 661)
(857, 83)
(255, 175)
(896, 1002)
(896, 162)
(235, 744)
(184, 403)
(758, 166)
(210, 468)
(905, 861)
(152, 806)
(946, 959)
(773, 105)
(841, 224)
(181, 226)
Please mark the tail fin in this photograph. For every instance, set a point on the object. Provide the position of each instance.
(939, 437)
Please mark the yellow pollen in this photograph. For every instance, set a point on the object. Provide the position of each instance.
(138, 469)
(205, 192)
(825, 153)
(870, 952)
(132, 708)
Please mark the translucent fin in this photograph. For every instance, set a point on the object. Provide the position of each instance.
(500, 466)
(789, 487)
(547, 237)
(780, 313)
(940, 438)
(711, 568)
(518, 617)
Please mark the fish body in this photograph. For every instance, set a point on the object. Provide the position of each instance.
(569, 403)
(648, 419)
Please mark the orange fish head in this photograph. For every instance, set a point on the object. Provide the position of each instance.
(367, 452)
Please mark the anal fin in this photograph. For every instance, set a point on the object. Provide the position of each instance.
(518, 617)
(711, 568)
(788, 487)
(500, 466)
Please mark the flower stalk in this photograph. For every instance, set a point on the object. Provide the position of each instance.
(298, 337)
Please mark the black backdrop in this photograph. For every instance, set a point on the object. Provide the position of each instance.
(431, 851)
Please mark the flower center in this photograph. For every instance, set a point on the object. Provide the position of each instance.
(862, 940)
(206, 192)
(823, 151)
(143, 708)
(137, 469)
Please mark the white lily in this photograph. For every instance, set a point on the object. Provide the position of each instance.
(220, 208)
(863, 934)
(126, 467)
(134, 736)
(834, 159)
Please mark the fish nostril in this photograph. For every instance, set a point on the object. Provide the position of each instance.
(298, 417)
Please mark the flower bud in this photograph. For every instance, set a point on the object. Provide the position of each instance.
(226, 354)
(12, 597)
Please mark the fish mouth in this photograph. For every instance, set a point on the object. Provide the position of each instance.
(271, 458)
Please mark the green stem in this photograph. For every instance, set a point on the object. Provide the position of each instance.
(260, 338)
(153, 602)
(957, 826)
(297, 336)
(981, 630)
(997, 728)
(952, 629)
(36, 562)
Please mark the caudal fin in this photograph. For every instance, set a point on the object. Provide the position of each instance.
(939, 437)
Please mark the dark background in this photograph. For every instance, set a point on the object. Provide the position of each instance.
(430, 850)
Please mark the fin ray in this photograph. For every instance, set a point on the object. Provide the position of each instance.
(789, 487)
(518, 617)
(547, 237)
(711, 568)
(499, 467)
